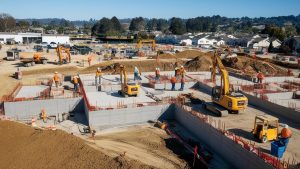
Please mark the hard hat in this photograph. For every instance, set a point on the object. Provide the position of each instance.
(285, 126)
(181, 66)
(98, 68)
(55, 72)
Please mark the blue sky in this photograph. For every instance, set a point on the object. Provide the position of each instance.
(96, 9)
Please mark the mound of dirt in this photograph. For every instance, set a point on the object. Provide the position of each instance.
(24, 147)
(167, 56)
(200, 63)
(252, 66)
(189, 54)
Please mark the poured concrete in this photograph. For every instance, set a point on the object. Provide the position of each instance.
(31, 91)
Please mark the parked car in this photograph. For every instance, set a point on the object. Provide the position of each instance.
(44, 44)
(52, 45)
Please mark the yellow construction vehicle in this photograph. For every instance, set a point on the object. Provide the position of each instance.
(127, 88)
(140, 43)
(36, 59)
(63, 54)
(266, 128)
(226, 101)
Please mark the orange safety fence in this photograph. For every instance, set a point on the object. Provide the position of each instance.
(275, 162)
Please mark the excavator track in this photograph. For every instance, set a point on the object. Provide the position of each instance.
(216, 109)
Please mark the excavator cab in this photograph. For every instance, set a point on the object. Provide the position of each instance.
(216, 93)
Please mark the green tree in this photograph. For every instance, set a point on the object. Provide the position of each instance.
(116, 25)
(177, 26)
(23, 25)
(7, 23)
(152, 24)
(137, 24)
(162, 25)
(36, 24)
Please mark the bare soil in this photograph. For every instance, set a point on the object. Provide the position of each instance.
(24, 147)
(144, 143)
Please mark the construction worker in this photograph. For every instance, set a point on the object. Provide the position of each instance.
(136, 74)
(44, 115)
(260, 77)
(285, 135)
(56, 79)
(177, 72)
(182, 71)
(157, 74)
(90, 60)
(182, 83)
(173, 82)
(98, 77)
(76, 84)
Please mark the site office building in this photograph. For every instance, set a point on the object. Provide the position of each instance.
(33, 37)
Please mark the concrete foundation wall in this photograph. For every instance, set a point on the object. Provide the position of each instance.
(128, 116)
(226, 148)
(28, 109)
(275, 109)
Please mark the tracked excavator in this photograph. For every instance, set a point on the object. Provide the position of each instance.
(127, 88)
(63, 54)
(224, 101)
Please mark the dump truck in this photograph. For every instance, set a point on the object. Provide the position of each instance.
(36, 59)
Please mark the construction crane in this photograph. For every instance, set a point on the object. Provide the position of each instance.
(140, 43)
(224, 101)
(127, 88)
(61, 50)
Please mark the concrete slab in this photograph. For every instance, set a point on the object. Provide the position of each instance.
(31, 91)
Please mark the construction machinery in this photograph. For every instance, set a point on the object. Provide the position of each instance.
(13, 54)
(63, 54)
(36, 59)
(224, 101)
(127, 88)
(140, 43)
(266, 128)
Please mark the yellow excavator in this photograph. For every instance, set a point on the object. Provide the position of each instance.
(140, 43)
(127, 88)
(224, 100)
(60, 53)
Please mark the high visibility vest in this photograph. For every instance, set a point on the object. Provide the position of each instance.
(56, 78)
(173, 79)
(75, 80)
(98, 73)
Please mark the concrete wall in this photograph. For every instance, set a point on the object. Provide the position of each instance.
(128, 116)
(28, 109)
(225, 147)
(274, 109)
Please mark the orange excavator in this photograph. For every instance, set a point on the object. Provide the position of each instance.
(36, 59)
(63, 54)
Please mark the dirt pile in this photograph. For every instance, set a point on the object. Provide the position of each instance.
(167, 56)
(135, 143)
(200, 63)
(189, 54)
(24, 147)
(251, 66)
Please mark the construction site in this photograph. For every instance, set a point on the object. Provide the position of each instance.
(191, 109)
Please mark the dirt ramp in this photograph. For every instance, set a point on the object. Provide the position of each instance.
(24, 147)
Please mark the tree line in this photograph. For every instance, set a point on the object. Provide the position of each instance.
(279, 27)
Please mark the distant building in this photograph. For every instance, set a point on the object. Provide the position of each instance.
(293, 43)
(33, 37)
